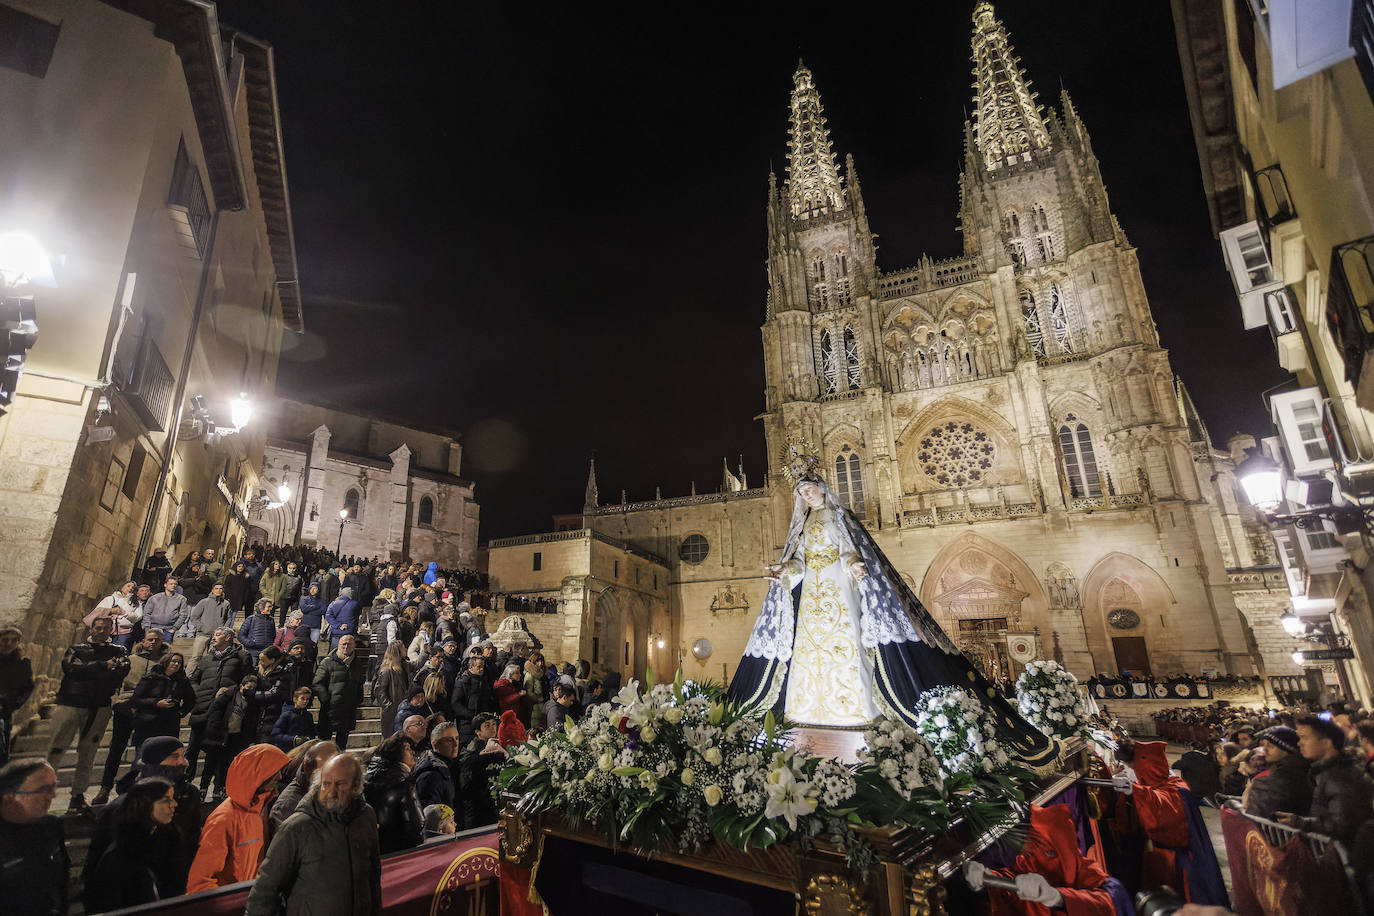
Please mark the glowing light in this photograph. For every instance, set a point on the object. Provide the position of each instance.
(1262, 482)
(240, 411)
(343, 514)
(1292, 624)
(23, 260)
(283, 494)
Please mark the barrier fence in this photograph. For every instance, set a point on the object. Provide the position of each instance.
(1277, 870)
(447, 876)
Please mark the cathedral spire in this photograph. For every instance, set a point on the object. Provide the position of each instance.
(593, 497)
(1008, 123)
(813, 181)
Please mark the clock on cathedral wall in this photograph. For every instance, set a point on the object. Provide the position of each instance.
(1123, 618)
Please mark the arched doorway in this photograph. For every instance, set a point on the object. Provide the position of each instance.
(1125, 605)
(607, 653)
(979, 592)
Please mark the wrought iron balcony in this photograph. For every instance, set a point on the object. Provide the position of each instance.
(148, 385)
(1351, 444)
(1273, 203)
(1350, 310)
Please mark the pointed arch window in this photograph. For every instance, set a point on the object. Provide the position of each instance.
(849, 481)
(1059, 316)
(830, 363)
(841, 265)
(1038, 219)
(851, 359)
(425, 516)
(353, 503)
(1011, 222)
(1035, 334)
(1080, 462)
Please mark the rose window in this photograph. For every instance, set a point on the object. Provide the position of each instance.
(956, 454)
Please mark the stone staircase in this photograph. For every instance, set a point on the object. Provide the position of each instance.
(38, 738)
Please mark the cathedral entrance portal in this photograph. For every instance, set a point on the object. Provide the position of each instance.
(979, 600)
(984, 641)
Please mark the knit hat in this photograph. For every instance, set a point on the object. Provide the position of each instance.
(155, 750)
(1282, 737)
(435, 815)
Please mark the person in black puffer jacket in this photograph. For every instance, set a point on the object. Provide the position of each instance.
(1285, 785)
(259, 630)
(312, 609)
(161, 698)
(141, 865)
(223, 665)
(436, 775)
(472, 695)
(276, 682)
(91, 672)
(389, 790)
(16, 683)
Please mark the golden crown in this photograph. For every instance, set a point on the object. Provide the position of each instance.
(800, 460)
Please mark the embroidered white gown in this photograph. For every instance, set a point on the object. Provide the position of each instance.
(831, 676)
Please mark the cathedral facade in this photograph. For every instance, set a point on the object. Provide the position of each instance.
(1004, 421)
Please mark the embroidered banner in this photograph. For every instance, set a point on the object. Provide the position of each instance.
(440, 878)
(1279, 880)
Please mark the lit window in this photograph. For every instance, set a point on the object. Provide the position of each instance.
(1080, 463)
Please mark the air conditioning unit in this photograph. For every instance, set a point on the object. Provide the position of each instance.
(1252, 271)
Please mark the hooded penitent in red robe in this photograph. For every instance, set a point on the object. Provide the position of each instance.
(1052, 850)
(1180, 852)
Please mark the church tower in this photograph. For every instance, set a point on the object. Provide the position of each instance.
(818, 337)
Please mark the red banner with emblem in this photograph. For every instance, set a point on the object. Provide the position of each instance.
(1279, 880)
(449, 876)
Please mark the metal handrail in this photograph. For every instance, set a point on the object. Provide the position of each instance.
(1278, 835)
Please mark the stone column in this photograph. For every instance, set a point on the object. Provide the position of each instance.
(398, 515)
(312, 500)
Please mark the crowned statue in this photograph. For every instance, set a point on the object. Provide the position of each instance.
(841, 640)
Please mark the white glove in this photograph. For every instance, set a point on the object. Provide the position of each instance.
(1122, 783)
(973, 874)
(1036, 889)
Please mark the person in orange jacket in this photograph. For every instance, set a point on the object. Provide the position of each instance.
(1051, 873)
(231, 842)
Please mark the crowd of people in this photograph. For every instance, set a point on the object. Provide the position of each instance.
(284, 643)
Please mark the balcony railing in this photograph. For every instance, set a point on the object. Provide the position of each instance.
(1273, 203)
(148, 385)
(1350, 442)
(1350, 303)
(187, 202)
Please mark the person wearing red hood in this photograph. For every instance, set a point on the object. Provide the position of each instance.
(1179, 852)
(232, 842)
(1052, 873)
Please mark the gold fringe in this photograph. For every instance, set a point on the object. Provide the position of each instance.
(534, 873)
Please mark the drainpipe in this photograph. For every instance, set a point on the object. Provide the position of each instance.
(179, 398)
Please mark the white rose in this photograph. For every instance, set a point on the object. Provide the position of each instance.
(575, 736)
(688, 777)
(712, 795)
(673, 714)
(712, 756)
(647, 734)
(545, 752)
(606, 762)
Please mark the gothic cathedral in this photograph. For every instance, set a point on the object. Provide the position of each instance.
(1005, 421)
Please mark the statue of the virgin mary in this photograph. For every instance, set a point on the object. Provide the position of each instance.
(841, 640)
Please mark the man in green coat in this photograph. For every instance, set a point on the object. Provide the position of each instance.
(326, 857)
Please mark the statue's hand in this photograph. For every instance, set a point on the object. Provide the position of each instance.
(773, 572)
(858, 570)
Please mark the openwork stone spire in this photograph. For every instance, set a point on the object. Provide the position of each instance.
(1008, 123)
(813, 181)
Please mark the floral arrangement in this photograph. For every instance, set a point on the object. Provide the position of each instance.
(681, 764)
(961, 732)
(1048, 697)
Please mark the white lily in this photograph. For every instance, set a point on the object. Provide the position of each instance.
(629, 694)
(787, 798)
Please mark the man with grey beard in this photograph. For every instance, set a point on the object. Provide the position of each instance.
(326, 858)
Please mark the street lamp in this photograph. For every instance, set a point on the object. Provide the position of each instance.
(1292, 624)
(240, 411)
(283, 494)
(343, 517)
(23, 262)
(1262, 482)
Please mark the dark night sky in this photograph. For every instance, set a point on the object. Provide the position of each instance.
(545, 227)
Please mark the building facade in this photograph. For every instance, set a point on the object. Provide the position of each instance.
(400, 487)
(1282, 104)
(142, 146)
(1005, 421)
